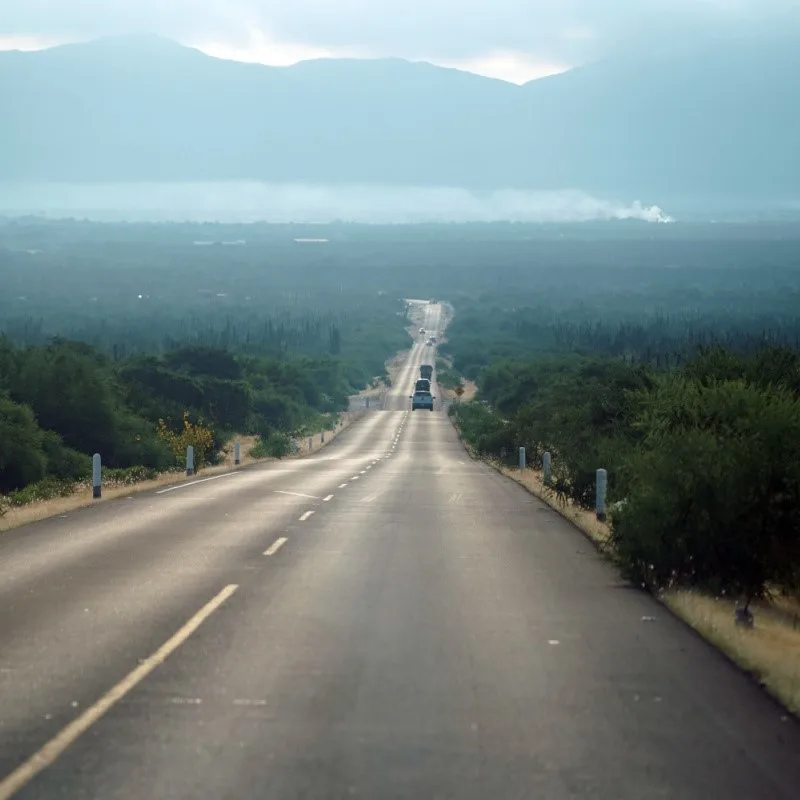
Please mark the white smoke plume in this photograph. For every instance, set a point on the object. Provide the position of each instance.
(253, 202)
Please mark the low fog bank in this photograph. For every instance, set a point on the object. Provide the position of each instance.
(262, 202)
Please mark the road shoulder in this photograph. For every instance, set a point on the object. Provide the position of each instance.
(769, 653)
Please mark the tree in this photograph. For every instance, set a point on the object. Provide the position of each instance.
(70, 393)
(22, 460)
(714, 494)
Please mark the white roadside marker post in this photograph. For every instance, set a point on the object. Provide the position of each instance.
(600, 500)
(97, 476)
(547, 468)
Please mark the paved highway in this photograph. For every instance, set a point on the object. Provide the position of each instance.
(386, 619)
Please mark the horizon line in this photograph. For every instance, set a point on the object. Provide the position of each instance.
(495, 65)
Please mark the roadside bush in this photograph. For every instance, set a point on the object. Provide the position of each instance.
(191, 434)
(71, 393)
(22, 460)
(275, 444)
(446, 376)
(705, 458)
(62, 401)
(129, 476)
(580, 410)
(63, 462)
(45, 489)
(714, 489)
(139, 444)
(481, 428)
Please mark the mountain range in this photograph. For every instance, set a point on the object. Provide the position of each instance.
(721, 118)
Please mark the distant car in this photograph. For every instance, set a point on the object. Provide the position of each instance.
(429, 343)
(422, 331)
(422, 400)
(422, 385)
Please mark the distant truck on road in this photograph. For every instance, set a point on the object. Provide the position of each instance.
(426, 371)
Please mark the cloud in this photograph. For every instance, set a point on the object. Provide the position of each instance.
(515, 40)
(254, 201)
(508, 66)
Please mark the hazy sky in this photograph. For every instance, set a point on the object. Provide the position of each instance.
(511, 39)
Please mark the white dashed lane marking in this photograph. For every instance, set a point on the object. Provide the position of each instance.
(275, 546)
(298, 494)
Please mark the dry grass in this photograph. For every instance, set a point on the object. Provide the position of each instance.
(247, 444)
(770, 651)
(470, 390)
(395, 365)
(787, 605)
(42, 509)
(531, 479)
(375, 389)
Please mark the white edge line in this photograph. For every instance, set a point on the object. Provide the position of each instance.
(51, 751)
(298, 494)
(275, 546)
(303, 518)
(192, 483)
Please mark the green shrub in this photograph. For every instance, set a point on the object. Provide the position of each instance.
(714, 493)
(275, 444)
(22, 460)
(703, 466)
(45, 489)
(482, 429)
(129, 476)
(63, 462)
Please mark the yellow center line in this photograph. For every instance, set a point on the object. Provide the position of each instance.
(44, 757)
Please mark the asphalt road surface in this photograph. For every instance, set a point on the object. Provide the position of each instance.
(386, 619)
